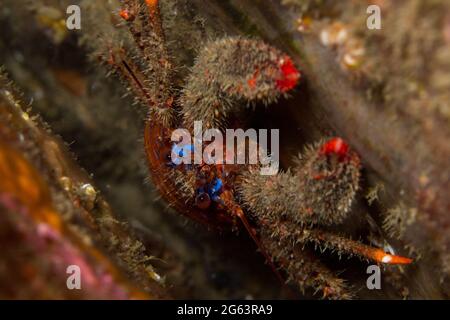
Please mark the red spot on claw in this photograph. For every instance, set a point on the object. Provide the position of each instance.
(290, 75)
(125, 14)
(251, 83)
(335, 146)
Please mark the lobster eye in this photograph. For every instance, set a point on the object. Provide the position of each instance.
(167, 159)
(203, 201)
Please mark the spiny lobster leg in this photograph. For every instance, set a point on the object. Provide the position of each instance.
(303, 268)
(125, 67)
(156, 70)
(128, 13)
(149, 17)
(237, 211)
(156, 43)
(285, 229)
(147, 31)
(344, 245)
(155, 17)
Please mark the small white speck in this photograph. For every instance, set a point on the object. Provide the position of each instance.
(386, 259)
(324, 37)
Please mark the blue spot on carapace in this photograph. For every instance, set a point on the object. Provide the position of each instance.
(180, 151)
(214, 189)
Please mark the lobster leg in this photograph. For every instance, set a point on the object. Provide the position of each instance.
(237, 211)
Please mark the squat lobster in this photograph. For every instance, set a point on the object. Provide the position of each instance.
(281, 213)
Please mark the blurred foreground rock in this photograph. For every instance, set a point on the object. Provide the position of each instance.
(52, 217)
